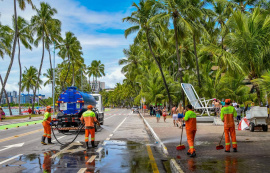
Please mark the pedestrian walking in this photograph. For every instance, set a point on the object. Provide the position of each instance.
(29, 112)
(234, 104)
(180, 111)
(151, 110)
(222, 103)
(158, 113)
(1, 113)
(217, 107)
(164, 114)
(227, 116)
(191, 128)
(47, 126)
(174, 115)
(89, 118)
(239, 113)
(154, 110)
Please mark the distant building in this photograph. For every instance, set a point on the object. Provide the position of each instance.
(28, 98)
(97, 86)
(25, 98)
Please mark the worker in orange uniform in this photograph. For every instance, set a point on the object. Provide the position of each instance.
(227, 116)
(47, 127)
(89, 118)
(191, 128)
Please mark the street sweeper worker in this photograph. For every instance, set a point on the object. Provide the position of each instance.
(227, 116)
(47, 126)
(191, 128)
(89, 118)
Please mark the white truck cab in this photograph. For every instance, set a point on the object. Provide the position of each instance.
(99, 105)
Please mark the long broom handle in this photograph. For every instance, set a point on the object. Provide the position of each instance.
(181, 135)
(221, 138)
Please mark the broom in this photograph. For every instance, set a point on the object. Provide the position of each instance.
(220, 147)
(181, 147)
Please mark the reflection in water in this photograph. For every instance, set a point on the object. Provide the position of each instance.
(191, 164)
(47, 164)
(230, 165)
(90, 167)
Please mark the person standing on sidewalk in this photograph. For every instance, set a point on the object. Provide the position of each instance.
(174, 115)
(47, 126)
(164, 114)
(239, 113)
(191, 128)
(1, 112)
(158, 113)
(180, 111)
(227, 116)
(29, 112)
(89, 118)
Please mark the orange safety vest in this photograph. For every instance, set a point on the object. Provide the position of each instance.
(89, 117)
(227, 115)
(190, 119)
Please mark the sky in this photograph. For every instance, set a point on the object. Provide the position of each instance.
(97, 25)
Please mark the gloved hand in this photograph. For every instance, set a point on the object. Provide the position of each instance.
(98, 123)
(51, 123)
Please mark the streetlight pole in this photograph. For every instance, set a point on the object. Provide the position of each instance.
(53, 77)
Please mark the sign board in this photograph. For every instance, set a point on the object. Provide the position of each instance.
(63, 106)
(78, 106)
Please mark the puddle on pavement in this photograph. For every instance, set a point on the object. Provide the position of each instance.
(116, 156)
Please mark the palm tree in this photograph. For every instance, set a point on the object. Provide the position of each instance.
(24, 35)
(22, 6)
(96, 70)
(48, 75)
(5, 40)
(42, 23)
(142, 23)
(70, 48)
(10, 112)
(29, 79)
(249, 43)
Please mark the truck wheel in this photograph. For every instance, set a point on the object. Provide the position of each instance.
(265, 128)
(251, 127)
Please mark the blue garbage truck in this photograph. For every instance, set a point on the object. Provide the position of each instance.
(72, 103)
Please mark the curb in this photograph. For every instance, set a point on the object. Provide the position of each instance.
(164, 148)
(175, 168)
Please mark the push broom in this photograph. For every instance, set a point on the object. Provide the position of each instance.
(220, 147)
(181, 146)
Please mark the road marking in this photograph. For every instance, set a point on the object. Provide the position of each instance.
(11, 146)
(107, 139)
(109, 117)
(152, 160)
(82, 170)
(58, 138)
(20, 135)
(10, 159)
(119, 125)
(65, 149)
(92, 159)
(99, 149)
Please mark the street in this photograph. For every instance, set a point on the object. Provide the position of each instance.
(123, 146)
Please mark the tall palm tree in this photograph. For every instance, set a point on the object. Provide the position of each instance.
(10, 112)
(42, 23)
(23, 35)
(48, 75)
(142, 23)
(97, 69)
(5, 40)
(29, 79)
(22, 5)
(70, 48)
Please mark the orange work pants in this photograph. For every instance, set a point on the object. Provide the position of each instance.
(89, 131)
(230, 131)
(190, 140)
(47, 129)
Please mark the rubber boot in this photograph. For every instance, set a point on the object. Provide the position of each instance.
(227, 151)
(93, 144)
(193, 154)
(50, 141)
(87, 146)
(43, 140)
(234, 150)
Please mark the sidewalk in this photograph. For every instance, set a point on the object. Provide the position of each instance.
(253, 151)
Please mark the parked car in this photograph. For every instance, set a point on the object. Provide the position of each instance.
(135, 109)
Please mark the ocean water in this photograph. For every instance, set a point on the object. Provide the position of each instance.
(15, 110)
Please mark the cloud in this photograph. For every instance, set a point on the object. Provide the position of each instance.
(115, 76)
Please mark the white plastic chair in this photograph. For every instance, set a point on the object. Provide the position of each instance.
(195, 100)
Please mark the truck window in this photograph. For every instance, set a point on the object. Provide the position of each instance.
(96, 98)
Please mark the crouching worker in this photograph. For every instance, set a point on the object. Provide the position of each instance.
(191, 128)
(47, 127)
(88, 118)
(227, 116)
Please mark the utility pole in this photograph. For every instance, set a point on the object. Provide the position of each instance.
(53, 78)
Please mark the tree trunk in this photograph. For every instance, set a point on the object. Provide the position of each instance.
(258, 94)
(13, 51)
(197, 63)
(160, 69)
(73, 76)
(6, 96)
(67, 72)
(40, 68)
(178, 60)
(50, 58)
(20, 82)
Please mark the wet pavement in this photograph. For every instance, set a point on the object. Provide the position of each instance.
(124, 145)
(253, 149)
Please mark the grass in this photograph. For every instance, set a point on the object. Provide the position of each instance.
(21, 117)
(107, 109)
(19, 124)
